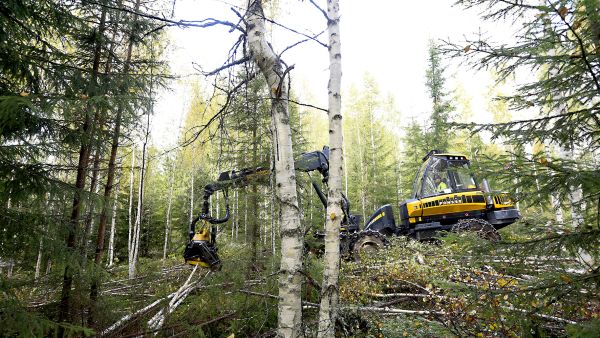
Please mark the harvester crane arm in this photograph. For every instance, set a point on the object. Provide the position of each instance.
(201, 249)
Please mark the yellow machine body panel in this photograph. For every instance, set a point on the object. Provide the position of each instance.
(459, 202)
(502, 201)
(202, 235)
(446, 204)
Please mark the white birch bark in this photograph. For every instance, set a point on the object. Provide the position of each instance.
(135, 238)
(40, 256)
(290, 278)
(38, 263)
(554, 200)
(575, 192)
(329, 289)
(113, 223)
(130, 216)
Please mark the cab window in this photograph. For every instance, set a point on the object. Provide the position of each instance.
(435, 178)
(417, 184)
(463, 180)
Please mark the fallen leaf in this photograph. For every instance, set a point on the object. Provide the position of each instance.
(566, 279)
(563, 11)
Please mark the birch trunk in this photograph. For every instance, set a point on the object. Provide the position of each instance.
(329, 289)
(38, 263)
(113, 223)
(135, 238)
(554, 199)
(40, 256)
(575, 192)
(89, 221)
(130, 211)
(290, 277)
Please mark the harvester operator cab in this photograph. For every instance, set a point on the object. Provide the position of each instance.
(446, 195)
(443, 174)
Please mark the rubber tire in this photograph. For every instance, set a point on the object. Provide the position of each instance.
(366, 243)
(482, 227)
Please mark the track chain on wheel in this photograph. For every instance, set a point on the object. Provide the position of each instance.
(480, 226)
(366, 241)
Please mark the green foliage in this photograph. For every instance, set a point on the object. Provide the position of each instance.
(549, 164)
(437, 136)
(370, 150)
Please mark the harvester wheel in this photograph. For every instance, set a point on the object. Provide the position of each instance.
(482, 227)
(366, 242)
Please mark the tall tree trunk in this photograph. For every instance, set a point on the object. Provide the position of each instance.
(114, 148)
(575, 192)
(330, 289)
(38, 262)
(94, 188)
(82, 166)
(130, 210)
(113, 228)
(253, 226)
(290, 273)
(135, 238)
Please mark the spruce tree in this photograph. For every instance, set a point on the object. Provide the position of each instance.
(438, 133)
(558, 42)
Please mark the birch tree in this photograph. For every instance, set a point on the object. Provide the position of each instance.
(290, 278)
(330, 289)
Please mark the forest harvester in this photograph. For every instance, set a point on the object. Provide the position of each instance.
(446, 197)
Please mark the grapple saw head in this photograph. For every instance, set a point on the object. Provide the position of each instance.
(201, 251)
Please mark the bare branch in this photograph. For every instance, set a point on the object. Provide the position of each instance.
(320, 9)
(226, 66)
(204, 23)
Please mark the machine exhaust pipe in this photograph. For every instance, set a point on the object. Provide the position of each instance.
(485, 186)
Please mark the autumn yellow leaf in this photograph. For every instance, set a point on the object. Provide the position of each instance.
(24, 94)
(566, 279)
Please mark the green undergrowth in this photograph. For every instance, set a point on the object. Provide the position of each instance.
(529, 284)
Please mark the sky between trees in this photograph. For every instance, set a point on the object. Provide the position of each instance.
(387, 39)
